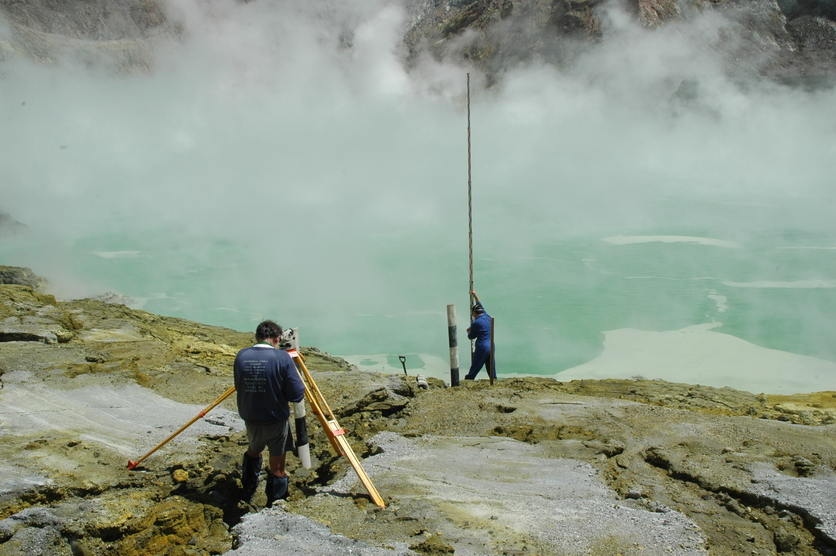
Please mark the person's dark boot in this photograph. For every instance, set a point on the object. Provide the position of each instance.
(250, 469)
(276, 488)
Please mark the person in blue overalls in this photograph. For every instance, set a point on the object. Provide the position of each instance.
(480, 330)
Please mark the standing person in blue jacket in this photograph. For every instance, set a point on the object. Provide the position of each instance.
(480, 330)
(266, 380)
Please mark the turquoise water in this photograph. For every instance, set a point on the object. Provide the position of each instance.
(287, 176)
(551, 304)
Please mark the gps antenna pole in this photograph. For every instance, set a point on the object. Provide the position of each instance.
(469, 202)
(132, 464)
(469, 219)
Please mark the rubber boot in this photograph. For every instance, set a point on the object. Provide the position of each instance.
(276, 488)
(250, 469)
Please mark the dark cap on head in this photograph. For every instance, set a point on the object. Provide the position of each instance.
(478, 310)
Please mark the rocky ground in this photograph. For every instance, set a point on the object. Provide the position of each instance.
(523, 466)
(790, 40)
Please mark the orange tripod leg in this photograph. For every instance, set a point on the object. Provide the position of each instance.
(335, 433)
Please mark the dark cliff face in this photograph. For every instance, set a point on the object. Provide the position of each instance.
(790, 38)
(768, 38)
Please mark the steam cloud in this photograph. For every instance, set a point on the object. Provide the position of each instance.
(280, 162)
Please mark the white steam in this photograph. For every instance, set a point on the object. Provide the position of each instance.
(290, 138)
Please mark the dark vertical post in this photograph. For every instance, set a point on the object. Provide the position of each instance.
(492, 365)
(454, 345)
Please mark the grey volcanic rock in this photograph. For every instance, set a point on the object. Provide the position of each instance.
(812, 496)
(99, 20)
(27, 315)
(21, 276)
(275, 531)
(757, 37)
(118, 33)
(9, 226)
(524, 466)
(553, 505)
(790, 39)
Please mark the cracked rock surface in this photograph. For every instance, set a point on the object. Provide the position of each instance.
(524, 466)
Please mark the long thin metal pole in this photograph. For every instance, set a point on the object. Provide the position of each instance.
(469, 200)
(469, 218)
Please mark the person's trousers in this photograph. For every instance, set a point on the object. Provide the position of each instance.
(481, 358)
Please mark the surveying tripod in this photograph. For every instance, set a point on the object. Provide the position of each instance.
(336, 435)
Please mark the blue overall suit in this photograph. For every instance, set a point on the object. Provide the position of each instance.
(480, 330)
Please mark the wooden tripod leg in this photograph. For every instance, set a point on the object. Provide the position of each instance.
(361, 473)
(316, 406)
(314, 388)
(323, 420)
(132, 464)
(335, 433)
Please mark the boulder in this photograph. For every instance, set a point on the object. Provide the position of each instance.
(22, 276)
